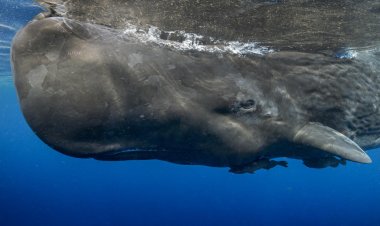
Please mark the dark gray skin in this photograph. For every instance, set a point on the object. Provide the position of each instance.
(301, 25)
(88, 91)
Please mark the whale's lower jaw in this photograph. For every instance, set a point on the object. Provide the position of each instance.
(91, 91)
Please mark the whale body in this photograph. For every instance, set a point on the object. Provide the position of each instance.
(191, 83)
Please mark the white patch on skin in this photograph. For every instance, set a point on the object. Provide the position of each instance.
(283, 92)
(60, 93)
(240, 96)
(52, 56)
(37, 76)
(171, 67)
(134, 59)
(153, 80)
(85, 52)
(74, 53)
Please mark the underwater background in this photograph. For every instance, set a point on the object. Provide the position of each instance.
(39, 186)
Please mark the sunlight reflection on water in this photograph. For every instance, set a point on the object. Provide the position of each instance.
(16, 15)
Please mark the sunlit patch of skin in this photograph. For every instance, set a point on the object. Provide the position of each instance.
(84, 52)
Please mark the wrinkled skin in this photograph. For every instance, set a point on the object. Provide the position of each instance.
(307, 25)
(88, 91)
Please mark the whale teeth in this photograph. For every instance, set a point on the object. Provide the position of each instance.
(331, 141)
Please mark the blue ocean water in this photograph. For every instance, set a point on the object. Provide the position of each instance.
(39, 186)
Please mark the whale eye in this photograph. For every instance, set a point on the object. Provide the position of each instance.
(248, 104)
